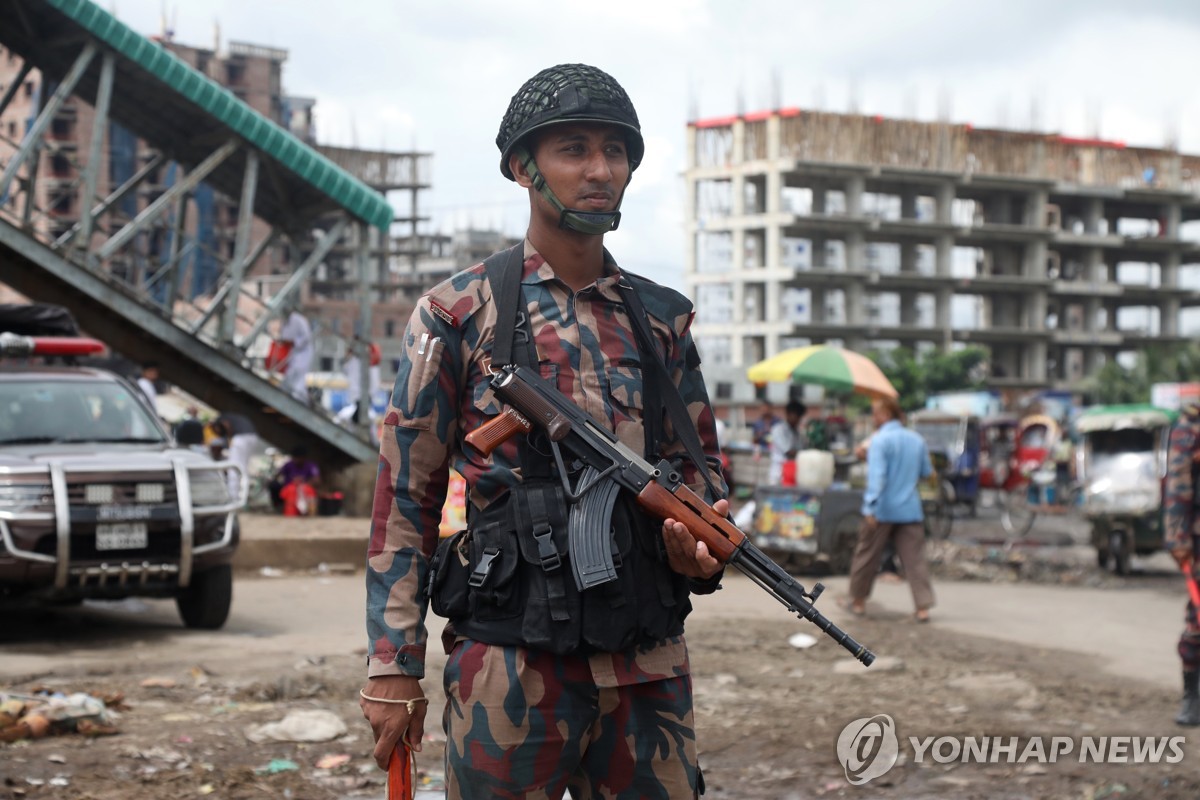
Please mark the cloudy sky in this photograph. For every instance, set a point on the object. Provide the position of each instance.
(437, 76)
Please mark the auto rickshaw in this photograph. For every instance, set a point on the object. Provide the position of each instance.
(1121, 467)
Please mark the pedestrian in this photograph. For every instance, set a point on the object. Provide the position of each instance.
(787, 439)
(189, 431)
(147, 382)
(760, 431)
(352, 370)
(297, 334)
(598, 679)
(298, 469)
(1182, 538)
(897, 460)
(241, 438)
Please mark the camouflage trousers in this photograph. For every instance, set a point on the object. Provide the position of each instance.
(528, 724)
(1189, 641)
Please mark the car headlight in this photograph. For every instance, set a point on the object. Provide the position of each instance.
(21, 498)
(209, 488)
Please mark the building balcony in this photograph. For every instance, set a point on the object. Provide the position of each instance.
(1144, 338)
(1086, 289)
(999, 334)
(1067, 238)
(1160, 244)
(1083, 338)
(990, 232)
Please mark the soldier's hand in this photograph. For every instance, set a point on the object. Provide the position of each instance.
(687, 555)
(1182, 556)
(389, 721)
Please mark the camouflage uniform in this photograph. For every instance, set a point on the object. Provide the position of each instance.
(505, 717)
(1180, 532)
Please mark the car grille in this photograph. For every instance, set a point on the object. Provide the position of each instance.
(125, 492)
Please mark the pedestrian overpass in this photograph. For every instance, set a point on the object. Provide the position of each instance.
(120, 261)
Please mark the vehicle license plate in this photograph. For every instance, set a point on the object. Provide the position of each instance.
(121, 536)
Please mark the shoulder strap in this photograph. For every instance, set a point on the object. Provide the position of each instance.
(504, 275)
(667, 390)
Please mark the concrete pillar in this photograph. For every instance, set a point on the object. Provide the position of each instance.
(1094, 268)
(1091, 315)
(1035, 209)
(854, 195)
(818, 200)
(908, 256)
(945, 255)
(1035, 312)
(817, 303)
(945, 203)
(855, 249)
(908, 204)
(1093, 212)
(1034, 266)
(856, 312)
(908, 310)
(1172, 216)
(941, 316)
(1035, 364)
(1168, 317)
(818, 251)
(1169, 267)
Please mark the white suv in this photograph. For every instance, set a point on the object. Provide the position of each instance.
(96, 499)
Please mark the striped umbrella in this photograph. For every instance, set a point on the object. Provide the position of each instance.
(831, 367)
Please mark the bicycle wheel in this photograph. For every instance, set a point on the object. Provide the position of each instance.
(1016, 514)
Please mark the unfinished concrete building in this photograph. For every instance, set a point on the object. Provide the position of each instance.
(1054, 253)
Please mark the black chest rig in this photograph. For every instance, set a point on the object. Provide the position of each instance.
(507, 579)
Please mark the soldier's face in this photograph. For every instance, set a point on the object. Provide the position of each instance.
(585, 165)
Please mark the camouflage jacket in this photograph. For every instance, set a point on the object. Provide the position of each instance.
(586, 345)
(1179, 500)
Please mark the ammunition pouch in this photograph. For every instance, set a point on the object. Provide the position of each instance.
(516, 586)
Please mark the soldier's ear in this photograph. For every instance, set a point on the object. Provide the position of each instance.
(520, 173)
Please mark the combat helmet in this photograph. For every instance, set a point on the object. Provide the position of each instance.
(568, 93)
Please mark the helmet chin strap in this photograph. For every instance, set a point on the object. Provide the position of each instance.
(592, 223)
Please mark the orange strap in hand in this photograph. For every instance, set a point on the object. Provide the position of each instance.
(401, 774)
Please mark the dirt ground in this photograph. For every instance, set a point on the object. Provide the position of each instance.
(768, 716)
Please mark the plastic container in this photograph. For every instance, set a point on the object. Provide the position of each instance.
(814, 469)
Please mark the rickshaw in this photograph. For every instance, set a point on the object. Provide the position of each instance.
(953, 441)
(997, 437)
(1121, 467)
(1030, 472)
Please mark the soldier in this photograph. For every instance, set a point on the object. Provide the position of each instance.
(548, 688)
(1180, 535)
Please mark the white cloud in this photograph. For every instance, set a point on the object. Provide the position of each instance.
(438, 76)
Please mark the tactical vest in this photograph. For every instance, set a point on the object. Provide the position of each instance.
(507, 579)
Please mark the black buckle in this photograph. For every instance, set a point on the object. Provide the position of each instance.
(480, 574)
(545, 545)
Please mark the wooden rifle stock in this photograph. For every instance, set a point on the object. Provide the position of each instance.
(719, 534)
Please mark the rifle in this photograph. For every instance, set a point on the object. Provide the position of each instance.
(608, 466)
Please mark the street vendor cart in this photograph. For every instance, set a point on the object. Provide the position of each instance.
(815, 526)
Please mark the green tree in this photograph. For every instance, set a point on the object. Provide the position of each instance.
(916, 377)
(1115, 383)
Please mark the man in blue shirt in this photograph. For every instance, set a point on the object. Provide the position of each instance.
(896, 462)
